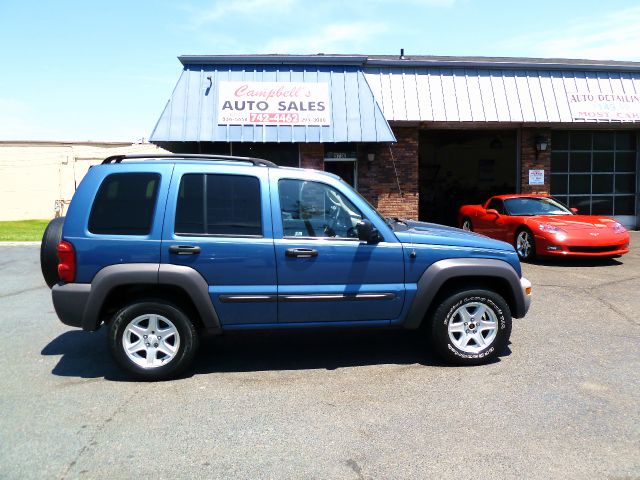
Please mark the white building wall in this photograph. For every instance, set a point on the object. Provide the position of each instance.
(38, 179)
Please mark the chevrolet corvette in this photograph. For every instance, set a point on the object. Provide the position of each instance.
(538, 225)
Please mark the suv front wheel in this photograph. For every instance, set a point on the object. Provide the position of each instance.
(152, 339)
(471, 327)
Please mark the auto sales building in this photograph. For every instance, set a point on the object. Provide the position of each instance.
(419, 136)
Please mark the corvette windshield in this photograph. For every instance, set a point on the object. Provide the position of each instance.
(535, 206)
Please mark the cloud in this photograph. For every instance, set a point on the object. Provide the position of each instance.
(334, 38)
(615, 36)
(221, 10)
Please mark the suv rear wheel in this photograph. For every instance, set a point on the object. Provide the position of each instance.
(152, 339)
(471, 327)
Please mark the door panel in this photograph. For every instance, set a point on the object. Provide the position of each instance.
(346, 281)
(333, 277)
(239, 266)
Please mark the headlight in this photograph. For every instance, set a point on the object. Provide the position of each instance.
(618, 228)
(557, 231)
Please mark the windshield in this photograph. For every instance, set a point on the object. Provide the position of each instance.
(535, 206)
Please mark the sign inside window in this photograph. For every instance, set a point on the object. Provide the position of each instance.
(273, 103)
(604, 106)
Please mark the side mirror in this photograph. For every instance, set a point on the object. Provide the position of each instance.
(493, 211)
(574, 209)
(367, 232)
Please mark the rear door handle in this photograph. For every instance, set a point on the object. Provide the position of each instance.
(301, 252)
(184, 249)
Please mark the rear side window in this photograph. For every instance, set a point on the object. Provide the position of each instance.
(218, 205)
(125, 204)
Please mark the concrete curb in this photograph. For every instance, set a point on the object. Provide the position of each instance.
(18, 244)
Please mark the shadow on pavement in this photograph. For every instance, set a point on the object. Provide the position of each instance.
(85, 354)
(577, 262)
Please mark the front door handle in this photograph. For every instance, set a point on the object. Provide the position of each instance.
(301, 252)
(184, 249)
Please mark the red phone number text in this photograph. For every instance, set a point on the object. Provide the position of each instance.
(274, 117)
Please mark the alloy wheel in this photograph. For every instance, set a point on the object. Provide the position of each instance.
(150, 340)
(523, 244)
(473, 327)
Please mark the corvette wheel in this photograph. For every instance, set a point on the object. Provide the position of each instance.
(466, 225)
(525, 245)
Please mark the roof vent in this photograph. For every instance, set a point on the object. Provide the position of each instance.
(402, 54)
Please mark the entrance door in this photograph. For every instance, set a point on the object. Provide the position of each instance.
(344, 168)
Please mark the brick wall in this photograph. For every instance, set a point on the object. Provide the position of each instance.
(312, 156)
(533, 160)
(377, 180)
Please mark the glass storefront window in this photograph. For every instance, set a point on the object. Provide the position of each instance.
(559, 183)
(603, 161)
(559, 161)
(580, 162)
(595, 171)
(625, 161)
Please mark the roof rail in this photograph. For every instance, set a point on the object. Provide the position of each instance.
(258, 162)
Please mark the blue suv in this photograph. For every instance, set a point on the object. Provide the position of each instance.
(161, 249)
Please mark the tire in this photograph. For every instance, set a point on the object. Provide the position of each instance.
(467, 225)
(49, 251)
(471, 327)
(173, 331)
(525, 245)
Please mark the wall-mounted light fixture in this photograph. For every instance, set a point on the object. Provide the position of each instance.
(542, 143)
(371, 157)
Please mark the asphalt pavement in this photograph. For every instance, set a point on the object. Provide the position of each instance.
(563, 402)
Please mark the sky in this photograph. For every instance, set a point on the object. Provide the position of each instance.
(103, 71)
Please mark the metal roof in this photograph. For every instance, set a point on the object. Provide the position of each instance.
(191, 114)
(368, 91)
(490, 95)
(413, 61)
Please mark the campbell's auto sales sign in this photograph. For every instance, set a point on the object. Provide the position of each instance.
(604, 106)
(273, 103)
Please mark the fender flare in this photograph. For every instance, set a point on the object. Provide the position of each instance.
(152, 274)
(439, 272)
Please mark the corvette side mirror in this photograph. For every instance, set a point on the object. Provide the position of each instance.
(574, 209)
(493, 211)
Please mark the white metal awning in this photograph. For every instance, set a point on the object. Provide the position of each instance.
(505, 95)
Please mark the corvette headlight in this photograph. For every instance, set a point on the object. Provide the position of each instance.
(552, 229)
(618, 228)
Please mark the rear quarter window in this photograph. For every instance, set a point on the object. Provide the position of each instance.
(124, 204)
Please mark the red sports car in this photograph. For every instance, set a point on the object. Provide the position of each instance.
(540, 225)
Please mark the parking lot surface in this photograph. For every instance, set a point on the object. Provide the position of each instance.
(563, 402)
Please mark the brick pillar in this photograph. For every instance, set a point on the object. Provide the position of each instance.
(312, 156)
(377, 180)
(531, 159)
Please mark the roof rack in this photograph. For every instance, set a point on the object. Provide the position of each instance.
(258, 162)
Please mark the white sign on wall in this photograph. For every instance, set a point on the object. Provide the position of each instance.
(273, 103)
(604, 106)
(536, 177)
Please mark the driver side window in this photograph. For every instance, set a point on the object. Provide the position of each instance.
(498, 205)
(314, 209)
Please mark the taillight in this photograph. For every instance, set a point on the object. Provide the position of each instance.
(66, 262)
